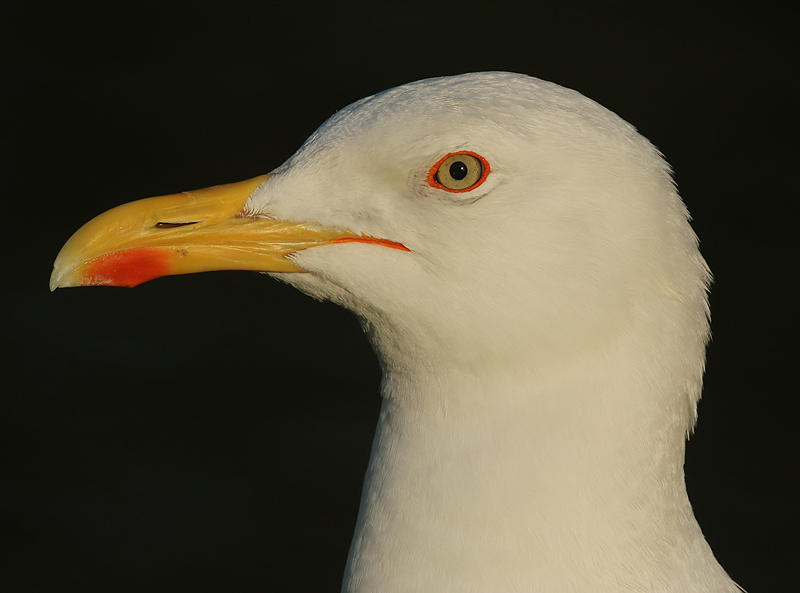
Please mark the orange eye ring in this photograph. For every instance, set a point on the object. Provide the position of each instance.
(433, 174)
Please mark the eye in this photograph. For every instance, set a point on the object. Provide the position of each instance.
(459, 171)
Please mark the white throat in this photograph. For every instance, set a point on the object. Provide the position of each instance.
(512, 482)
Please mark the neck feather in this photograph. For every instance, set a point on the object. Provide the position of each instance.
(507, 481)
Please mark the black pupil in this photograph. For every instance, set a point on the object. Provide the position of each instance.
(458, 170)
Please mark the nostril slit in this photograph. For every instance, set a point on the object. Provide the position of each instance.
(172, 225)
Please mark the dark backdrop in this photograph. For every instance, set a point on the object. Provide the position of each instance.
(210, 432)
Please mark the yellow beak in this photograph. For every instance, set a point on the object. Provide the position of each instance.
(195, 231)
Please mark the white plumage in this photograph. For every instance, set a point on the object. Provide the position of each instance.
(542, 342)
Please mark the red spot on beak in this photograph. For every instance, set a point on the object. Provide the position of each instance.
(130, 267)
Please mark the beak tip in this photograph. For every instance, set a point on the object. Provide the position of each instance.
(57, 279)
(65, 273)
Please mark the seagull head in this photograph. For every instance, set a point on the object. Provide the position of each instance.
(487, 220)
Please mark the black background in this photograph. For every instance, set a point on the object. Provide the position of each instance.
(210, 432)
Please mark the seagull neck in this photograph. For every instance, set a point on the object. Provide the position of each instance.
(526, 477)
(573, 443)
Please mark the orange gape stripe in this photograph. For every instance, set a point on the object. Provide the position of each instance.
(384, 242)
(129, 268)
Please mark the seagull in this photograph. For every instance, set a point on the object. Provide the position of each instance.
(524, 268)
